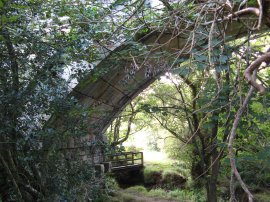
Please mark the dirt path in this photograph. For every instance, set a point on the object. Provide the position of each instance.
(137, 197)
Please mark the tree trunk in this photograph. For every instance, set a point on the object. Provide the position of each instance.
(215, 161)
(211, 191)
(212, 181)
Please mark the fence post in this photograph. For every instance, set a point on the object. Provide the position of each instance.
(142, 158)
(117, 160)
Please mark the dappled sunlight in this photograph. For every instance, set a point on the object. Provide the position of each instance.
(155, 157)
(152, 144)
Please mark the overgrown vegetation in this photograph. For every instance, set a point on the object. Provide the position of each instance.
(68, 67)
(178, 195)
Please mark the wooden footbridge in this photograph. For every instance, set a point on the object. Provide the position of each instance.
(122, 161)
(125, 160)
(127, 168)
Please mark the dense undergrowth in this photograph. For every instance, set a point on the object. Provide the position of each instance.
(179, 195)
(165, 180)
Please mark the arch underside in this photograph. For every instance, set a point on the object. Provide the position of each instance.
(117, 80)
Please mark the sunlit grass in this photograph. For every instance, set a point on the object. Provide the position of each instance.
(140, 189)
(156, 161)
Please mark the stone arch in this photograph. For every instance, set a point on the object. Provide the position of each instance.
(112, 90)
(116, 81)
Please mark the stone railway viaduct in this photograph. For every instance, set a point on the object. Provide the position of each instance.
(117, 79)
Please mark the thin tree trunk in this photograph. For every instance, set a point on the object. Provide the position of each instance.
(212, 181)
(215, 161)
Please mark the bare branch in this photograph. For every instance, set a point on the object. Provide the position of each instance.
(260, 14)
(230, 146)
(255, 66)
(246, 11)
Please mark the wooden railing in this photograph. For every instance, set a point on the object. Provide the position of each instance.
(125, 160)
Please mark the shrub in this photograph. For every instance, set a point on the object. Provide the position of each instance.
(111, 186)
(161, 193)
(152, 177)
(171, 180)
(165, 179)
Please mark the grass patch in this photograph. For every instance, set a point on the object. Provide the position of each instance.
(133, 193)
(139, 189)
(127, 198)
(185, 195)
(164, 175)
(262, 197)
(122, 197)
(160, 193)
(179, 195)
(167, 166)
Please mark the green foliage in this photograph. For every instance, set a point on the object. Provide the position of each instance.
(259, 161)
(111, 184)
(168, 177)
(152, 176)
(132, 193)
(158, 193)
(43, 40)
(41, 47)
(72, 181)
(133, 149)
(182, 195)
(262, 197)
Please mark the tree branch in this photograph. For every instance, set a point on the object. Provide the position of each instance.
(15, 184)
(130, 121)
(230, 146)
(255, 66)
(246, 11)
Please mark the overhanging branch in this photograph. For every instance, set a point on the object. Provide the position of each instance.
(255, 66)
